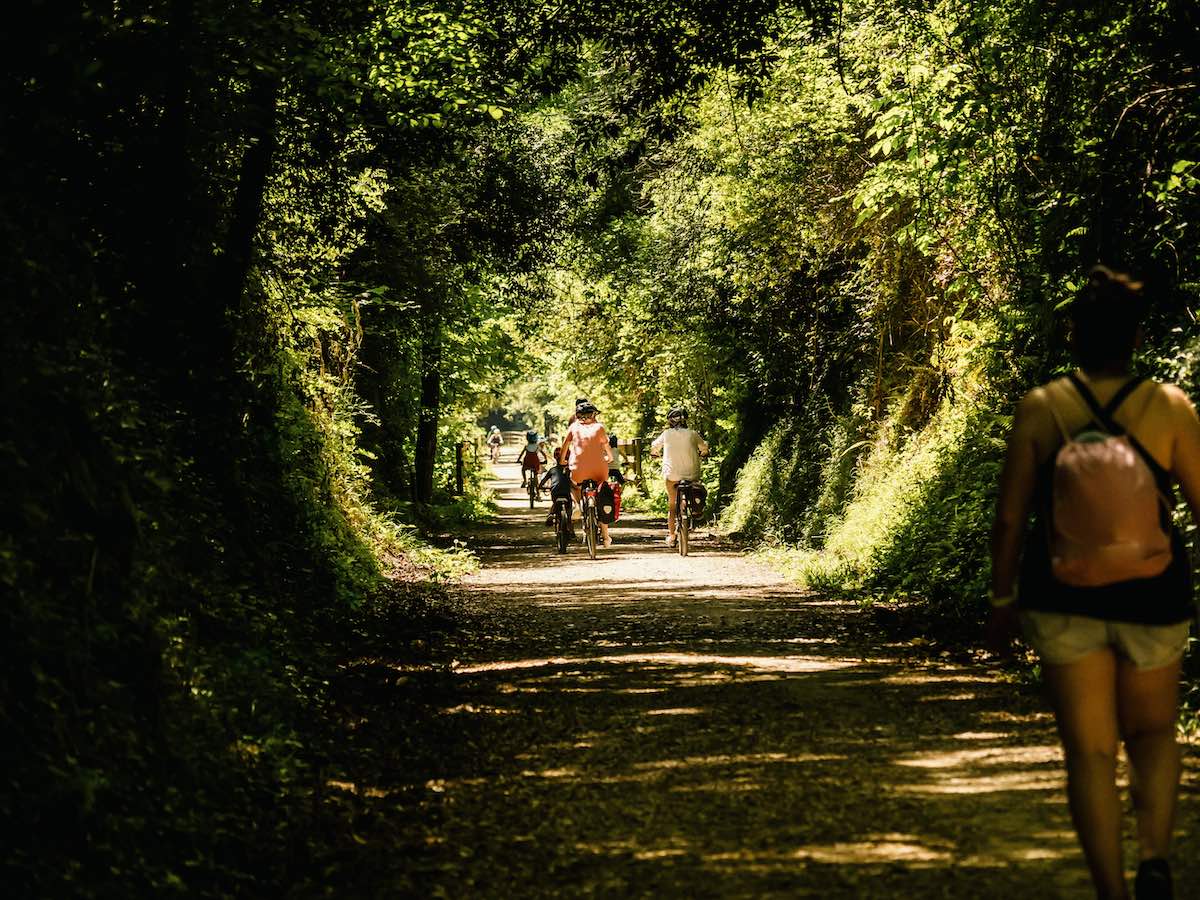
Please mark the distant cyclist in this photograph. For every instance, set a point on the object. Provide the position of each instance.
(494, 440)
(532, 457)
(681, 449)
(587, 443)
(614, 465)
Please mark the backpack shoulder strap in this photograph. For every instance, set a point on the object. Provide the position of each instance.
(1099, 413)
(1103, 415)
(1122, 394)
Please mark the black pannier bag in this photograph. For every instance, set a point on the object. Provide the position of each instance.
(606, 504)
(698, 496)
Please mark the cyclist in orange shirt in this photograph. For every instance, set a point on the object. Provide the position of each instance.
(587, 442)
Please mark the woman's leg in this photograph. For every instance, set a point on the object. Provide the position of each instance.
(1147, 706)
(1084, 694)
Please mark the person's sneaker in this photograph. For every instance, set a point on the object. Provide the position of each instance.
(670, 540)
(1153, 880)
(608, 540)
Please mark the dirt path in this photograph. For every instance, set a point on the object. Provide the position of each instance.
(647, 725)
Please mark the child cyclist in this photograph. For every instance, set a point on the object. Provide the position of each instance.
(532, 457)
(681, 449)
(558, 477)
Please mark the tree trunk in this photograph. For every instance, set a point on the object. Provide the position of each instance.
(427, 422)
(247, 210)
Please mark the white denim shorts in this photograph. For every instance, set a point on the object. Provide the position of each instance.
(1060, 639)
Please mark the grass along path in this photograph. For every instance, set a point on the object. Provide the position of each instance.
(648, 725)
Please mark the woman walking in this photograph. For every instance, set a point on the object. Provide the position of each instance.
(1103, 592)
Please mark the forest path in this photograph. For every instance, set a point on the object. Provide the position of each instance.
(649, 725)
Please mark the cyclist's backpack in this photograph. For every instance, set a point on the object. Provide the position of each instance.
(606, 504)
(697, 497)
(1109, 517)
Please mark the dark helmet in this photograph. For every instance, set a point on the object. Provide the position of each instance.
(612, 440)
(581, 401)
(677, 416)
(586, 408)
(531, 436)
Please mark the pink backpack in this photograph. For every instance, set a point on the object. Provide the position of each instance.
(1107, 515)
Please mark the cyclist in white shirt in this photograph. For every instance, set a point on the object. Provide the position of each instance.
(681, 449)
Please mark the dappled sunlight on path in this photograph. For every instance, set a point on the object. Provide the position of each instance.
(648, 725)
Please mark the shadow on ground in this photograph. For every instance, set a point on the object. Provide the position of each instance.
(644, 725)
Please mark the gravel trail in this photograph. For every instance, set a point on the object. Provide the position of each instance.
(646, 725)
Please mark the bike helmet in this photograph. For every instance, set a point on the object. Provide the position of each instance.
(531, 436)
(586, 408)
(495, 428)
(612, 440)
(677, 417)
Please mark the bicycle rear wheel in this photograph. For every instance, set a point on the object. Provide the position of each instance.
(591, 530)
(562, 527)
(533, 491)
(682, 524)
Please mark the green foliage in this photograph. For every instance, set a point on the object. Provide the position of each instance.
(195, 538)
(269, 266)
(873, 256)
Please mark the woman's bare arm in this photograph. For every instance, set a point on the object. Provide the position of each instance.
(1185, 452)
(1017, 480)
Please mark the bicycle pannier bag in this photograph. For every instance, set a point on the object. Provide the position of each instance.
(616, 489)
(606, 503)
(1107, 513)
(698, 496)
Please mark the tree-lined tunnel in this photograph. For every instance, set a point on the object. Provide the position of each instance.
(272, 623)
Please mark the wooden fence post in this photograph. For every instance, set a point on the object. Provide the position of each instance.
(637, 466)
(458, 468)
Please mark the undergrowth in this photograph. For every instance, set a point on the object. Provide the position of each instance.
(885, 510)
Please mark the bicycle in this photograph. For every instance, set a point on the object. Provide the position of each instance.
(534, 493)
(683, 514)
(562, 523)
(591, 517)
